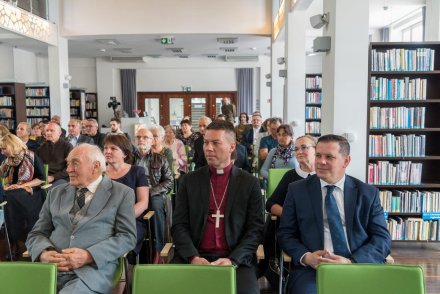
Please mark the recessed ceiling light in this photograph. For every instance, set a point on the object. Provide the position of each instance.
(111, 42)
(253, 48)
(102, 50)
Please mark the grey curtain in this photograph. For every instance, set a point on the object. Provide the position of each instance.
(128, 86)
(385, 34)
(245, 89)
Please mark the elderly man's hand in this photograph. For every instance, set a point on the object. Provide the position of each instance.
(74, 258)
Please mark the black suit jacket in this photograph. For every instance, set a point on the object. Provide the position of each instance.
(242, 160)
(199, 156)
(248, 138)
(243, 215)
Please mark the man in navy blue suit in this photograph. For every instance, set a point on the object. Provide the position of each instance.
(331, 217)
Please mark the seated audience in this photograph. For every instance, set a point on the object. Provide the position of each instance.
(178, 149)
(24, 133)
(74, 136)
(93, 132)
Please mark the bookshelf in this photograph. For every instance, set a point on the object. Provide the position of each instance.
(91, 106)
(403, 130)
(313, 104)
(12, 104)
(37, 104)
(77, 103)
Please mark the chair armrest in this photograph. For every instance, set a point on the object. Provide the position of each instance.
(273, 217)
(286, 257)
(165, 252)
(149, 215)
(3, 203)
(26, 254)
(260, 253)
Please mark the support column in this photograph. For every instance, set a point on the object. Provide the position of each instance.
(277, 89)
(345, 77)
(59, 87)
(294, 102)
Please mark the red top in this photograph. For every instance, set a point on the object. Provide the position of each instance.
(214, 239)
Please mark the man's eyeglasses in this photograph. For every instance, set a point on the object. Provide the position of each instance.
(302, 148)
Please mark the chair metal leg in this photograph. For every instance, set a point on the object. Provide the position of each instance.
(2, 206)
(280, 281)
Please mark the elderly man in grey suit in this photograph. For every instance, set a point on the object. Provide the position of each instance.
(85, 225)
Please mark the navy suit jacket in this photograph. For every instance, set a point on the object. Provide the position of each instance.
(301, 229)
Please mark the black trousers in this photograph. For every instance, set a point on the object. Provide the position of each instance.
(22, 212)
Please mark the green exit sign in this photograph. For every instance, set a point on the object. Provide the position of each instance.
(166, 40)
(187, 89)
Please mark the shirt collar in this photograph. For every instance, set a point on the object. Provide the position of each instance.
(339, 184)
(93, 186)
(303, 174)
(225, 171)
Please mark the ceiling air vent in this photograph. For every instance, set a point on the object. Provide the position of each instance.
(228, 49)
(176, 50)
(212, 55)
(227, 41)
(182, 55)
(241, 58)
(127, 59)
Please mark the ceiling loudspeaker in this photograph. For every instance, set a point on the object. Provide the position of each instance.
(268, 84)
(319, 20)
(235, 58)
(129, 58)
(322, 44)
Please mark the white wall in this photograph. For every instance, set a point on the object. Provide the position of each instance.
(314, 64)
(25, 66)
(7, 64)
(171, 16)
(170, 74)
(83, 72)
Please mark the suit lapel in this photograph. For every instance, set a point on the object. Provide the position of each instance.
(67, 198)
(205, 189)
(231, 194)
(98, 202)
(316, 202)
(350, 199)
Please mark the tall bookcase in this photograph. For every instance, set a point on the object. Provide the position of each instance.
(91, 106)
(313, 104)
(404, 137)
(12, 104)
(77, 103)
(37, 104)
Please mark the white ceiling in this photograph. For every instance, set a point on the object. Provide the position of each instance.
(201, 44)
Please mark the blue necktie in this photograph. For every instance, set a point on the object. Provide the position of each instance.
(335, 224)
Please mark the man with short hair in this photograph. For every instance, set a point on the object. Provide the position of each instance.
(85, 225)
(92, 131)
(199, 157)
(229, 110)
(331, 217)
(158, 172)
(250, 135)
(218, 218)
(57, 119)
(75, 137)
(115, 126)
(53, 152)
(269, 142)
(24, 132)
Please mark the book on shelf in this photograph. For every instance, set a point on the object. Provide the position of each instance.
(410, 201)
(6, 113)
(400, 173)
(38, 92)
(313, 127)
(38, 102)
(313, 98)
(313, 112)
(402, 59)
(6, 101)
(398, 89)
(390, 145)
(397, 117)
(314, 82)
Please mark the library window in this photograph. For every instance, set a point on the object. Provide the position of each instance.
(413, 33)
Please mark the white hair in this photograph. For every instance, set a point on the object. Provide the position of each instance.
(93, 153)
(159, 128)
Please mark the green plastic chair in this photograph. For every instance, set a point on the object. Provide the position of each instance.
(183, 279)
(274, 178)
(370, 278)
(28, 277)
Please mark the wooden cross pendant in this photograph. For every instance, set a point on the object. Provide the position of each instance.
(217, 216)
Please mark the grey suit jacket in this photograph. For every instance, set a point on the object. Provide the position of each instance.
(107, 231)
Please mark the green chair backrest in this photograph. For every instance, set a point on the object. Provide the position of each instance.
(119, 271)
(369, 279)
(183, 279)
(274, 178)
(28, 277)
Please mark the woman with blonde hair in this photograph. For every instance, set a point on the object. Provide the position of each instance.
(22, 174)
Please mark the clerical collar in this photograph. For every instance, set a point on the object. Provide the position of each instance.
(224, 171)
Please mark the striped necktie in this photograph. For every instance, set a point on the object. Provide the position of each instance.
(81, 197)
